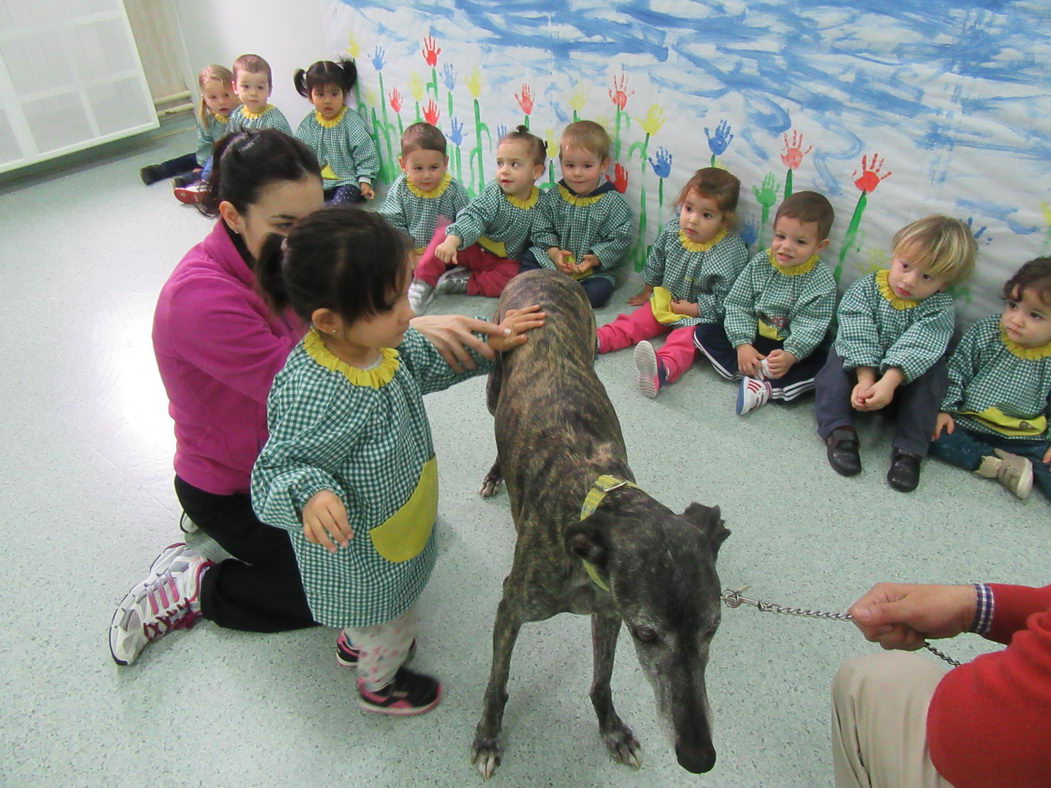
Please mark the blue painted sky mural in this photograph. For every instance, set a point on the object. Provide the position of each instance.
(894, 110)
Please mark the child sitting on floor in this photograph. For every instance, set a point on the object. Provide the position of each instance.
(994, 415)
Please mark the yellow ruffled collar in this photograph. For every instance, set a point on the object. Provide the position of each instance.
(249, 115)
(1021, 351)
(527, 203)
(376, 377)
(437, 191)
(329, 124)
(693, 246)
(884, 289)
(220, 118)
(573, 199)
(792, 270)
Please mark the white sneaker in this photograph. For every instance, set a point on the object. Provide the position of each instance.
(169, 598)
(1015, 473)
(764, 370)
(752, 394)
(420, 295)
(453, 281)
(646, 365)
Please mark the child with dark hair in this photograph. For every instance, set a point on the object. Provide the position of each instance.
(584, 229)
(349, 468)
(779, 310)
(994, 416)
(478, 253)
(692, 265)
(343, 146)
(254, 83)
(425, 190)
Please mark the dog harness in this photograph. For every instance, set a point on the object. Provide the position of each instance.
(603, 485)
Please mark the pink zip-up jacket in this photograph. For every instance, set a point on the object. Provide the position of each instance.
(218, 349)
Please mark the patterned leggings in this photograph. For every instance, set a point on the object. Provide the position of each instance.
(383, 648)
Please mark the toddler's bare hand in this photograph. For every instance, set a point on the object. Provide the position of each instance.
(325, 521)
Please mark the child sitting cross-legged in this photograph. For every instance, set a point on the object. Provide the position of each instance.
(894, 328)
(690, 269)
(779, 310)
(995, 412)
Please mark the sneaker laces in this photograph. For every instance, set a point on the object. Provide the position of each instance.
(169, 607)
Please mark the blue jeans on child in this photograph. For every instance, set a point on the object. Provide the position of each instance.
(342, 195)
(965, 448)
(597, 288)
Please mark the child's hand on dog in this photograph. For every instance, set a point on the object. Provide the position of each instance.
(515, 323)
(325, 520)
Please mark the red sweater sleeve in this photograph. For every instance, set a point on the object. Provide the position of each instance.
(989, 722)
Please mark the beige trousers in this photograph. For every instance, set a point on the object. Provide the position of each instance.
(879, 721)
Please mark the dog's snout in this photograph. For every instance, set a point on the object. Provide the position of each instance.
(696, 759)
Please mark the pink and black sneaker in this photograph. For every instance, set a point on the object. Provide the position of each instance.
(347, 654)
(409, 693)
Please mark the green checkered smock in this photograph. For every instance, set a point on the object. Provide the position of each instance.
(794, 304)
(343, 147)
(699, 273)
(269, 118)
(598, 223)
(500, 218)
(877, 329)
(209, 134)
(366, 440)
(992, 375)
(416, 212)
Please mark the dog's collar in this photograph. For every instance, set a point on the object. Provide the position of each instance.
(603, 485)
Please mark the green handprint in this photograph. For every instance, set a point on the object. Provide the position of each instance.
(766, 195)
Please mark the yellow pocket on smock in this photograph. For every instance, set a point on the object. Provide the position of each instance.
(660, 305)
(405, 533)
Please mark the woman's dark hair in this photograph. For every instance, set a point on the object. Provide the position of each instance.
(325, 72)
(245, 162)
(340, 258)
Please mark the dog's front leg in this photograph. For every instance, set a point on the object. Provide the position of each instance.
(485, 752)
(619, 739)
(492, 480)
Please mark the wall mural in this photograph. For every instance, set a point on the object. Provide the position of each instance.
(893, 110)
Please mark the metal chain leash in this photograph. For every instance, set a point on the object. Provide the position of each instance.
(733, 598)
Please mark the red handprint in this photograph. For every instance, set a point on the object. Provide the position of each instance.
(794, 153)
(430, 50)
(870, 175)
(525, 101)
(431, 113)
(619, 179)
(395, 100)
(619, 94)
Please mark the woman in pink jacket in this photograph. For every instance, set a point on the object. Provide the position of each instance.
(218, 347)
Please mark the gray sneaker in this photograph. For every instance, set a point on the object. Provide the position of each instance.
(420, 295)
(453, 281)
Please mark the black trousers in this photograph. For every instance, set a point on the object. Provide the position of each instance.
(259, 590)
(916, 403)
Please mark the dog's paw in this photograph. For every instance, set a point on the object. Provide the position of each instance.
(485, 755)
(490, 485)
(623, 746)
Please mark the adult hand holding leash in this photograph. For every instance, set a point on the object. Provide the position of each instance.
(904, 616)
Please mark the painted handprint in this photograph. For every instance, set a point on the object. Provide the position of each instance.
(662, 166)
(720, 140)
(456, 132)
(525, 100)
(766, 196)
(980, 233)
(870, 174)
(619, 94)
(501, 131)
(653, 121)
(619, 179)
(430, 50)
(395, 100)
(793, 154)
(449, 76)
(749, 232)
(431, 112)
(377, 59)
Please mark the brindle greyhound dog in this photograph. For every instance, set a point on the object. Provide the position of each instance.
(631, 560)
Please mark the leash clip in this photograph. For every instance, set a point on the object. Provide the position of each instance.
(607, 487)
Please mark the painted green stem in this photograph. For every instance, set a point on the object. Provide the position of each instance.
(419, 117)
(432, 86)
(638, 253)
(788, 183)
(576, 116)
(852, 234)
(388, 164)
(477, 154)
(526, 122)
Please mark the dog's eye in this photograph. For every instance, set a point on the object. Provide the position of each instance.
(645, 634)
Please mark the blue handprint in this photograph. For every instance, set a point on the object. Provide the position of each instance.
(501, 131)
(377, 58)
(979, 232)
(749, 232)
(721, 140)
(456, 132)
(449, 76)
(661, 167)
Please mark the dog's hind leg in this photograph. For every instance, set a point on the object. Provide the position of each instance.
(620, 741)
(491, 482)
(485, 752)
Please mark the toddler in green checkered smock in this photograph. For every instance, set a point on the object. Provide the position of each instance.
(994, 416)
(349, 467)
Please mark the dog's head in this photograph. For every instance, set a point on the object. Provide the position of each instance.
(660, 568)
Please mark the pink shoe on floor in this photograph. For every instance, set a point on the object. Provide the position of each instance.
(409, 693)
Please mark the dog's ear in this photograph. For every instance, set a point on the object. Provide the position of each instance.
(587, 540)
(708, 520)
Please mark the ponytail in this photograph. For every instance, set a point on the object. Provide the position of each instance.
(268, 272)
(324, 72)
(299, 79)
